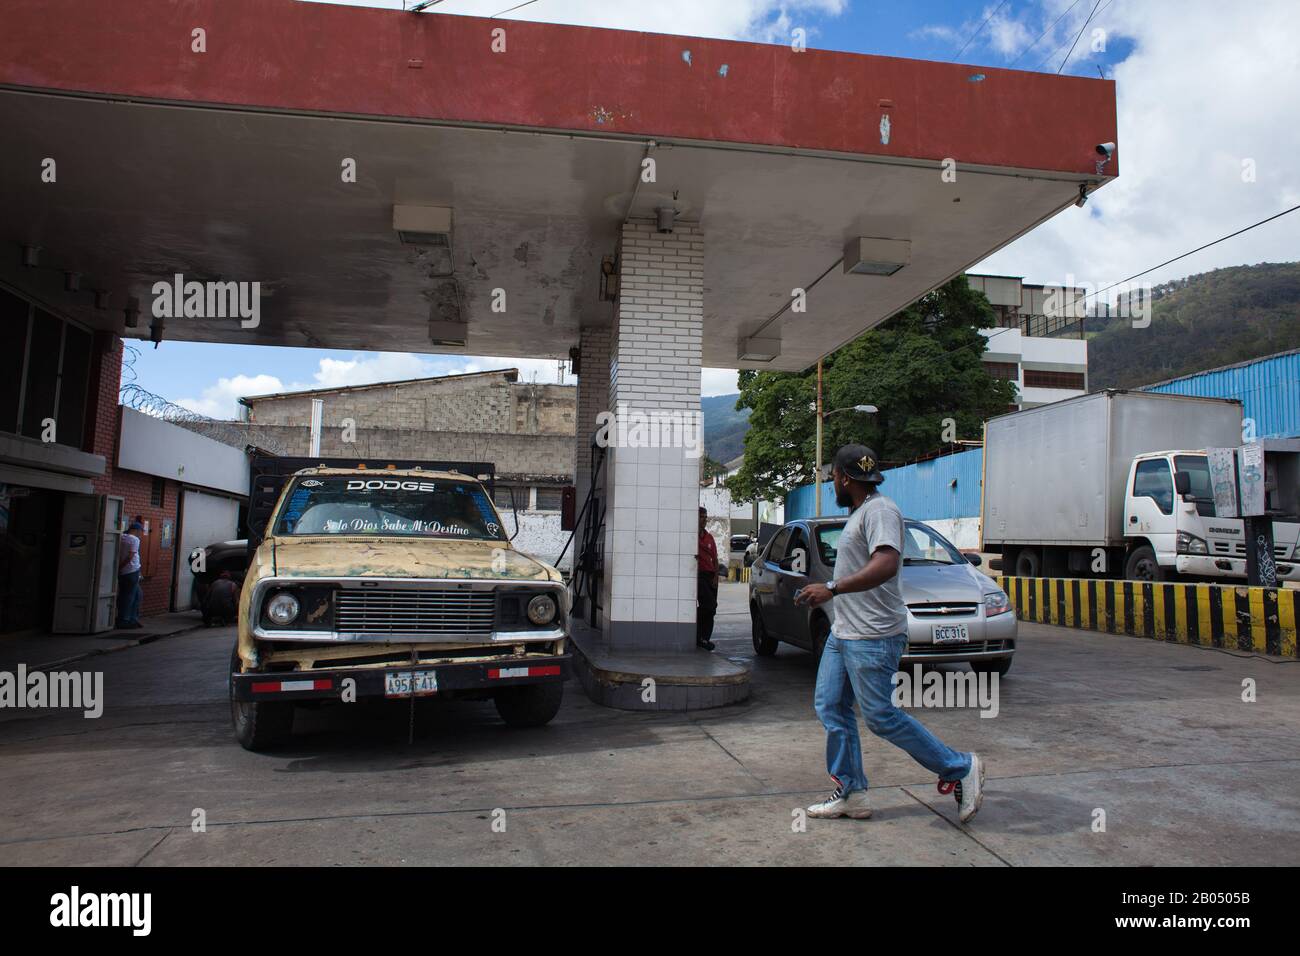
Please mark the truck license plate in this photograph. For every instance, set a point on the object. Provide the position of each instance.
(410, 683)
(951, 634)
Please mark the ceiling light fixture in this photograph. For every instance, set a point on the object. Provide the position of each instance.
(876, 257)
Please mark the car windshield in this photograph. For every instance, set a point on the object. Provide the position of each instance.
(923, 546)
(1197, 469)
(398, 506)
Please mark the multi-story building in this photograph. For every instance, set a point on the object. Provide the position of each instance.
(1039, 340)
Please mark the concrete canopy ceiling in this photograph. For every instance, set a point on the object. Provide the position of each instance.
(244, 184)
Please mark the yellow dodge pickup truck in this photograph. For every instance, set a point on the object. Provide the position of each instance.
(393, 582)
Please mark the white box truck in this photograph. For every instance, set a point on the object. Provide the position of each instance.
(1116, 484)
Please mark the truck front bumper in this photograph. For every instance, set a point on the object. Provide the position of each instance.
(329, 683)
(1197, 565)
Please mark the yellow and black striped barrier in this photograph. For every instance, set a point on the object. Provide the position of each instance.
(738, 574)
(1236, 617)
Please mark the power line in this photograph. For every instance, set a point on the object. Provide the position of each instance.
(1139, 275)
(1043, 34)
(1230, 235)
(1077, 35)
(512, 9)
(981, 27)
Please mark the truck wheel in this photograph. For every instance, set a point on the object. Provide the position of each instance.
(1142, 565)
(531, 705)
(764, 646)
(1028, 564)
(258, 725)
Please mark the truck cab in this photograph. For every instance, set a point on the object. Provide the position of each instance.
(1171, 525)
(392, 583)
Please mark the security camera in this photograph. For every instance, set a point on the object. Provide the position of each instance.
(666, 216)
(1105, 151)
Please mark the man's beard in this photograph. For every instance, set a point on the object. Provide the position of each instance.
(843, 498)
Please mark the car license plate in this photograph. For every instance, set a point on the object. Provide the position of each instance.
(951, 634)
(410, 683)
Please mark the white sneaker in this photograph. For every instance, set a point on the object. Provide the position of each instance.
(854, 805)
(970, 789)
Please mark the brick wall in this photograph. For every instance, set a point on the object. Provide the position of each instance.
(490, 403)
(103, 428)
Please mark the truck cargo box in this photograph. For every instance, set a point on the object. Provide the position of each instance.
(1055, 474)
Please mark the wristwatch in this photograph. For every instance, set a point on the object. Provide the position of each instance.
(830, 586)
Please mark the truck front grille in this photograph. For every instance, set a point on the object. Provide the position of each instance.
(1238, 548)
(404, 613)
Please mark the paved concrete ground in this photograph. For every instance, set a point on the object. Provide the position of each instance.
(52, 650)
(1155, 735)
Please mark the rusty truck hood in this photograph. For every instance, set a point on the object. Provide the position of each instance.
(358, 557)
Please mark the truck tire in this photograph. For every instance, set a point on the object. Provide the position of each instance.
(1028, 564)
(1142, 566)
(764, 646)
(258, 725)
(531, 705)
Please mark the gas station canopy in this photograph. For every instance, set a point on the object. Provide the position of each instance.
(231, 164)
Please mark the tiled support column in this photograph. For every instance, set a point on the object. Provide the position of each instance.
(651, 520)
(593, 398)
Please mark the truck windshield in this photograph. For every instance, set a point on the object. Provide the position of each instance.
(1198, 470)
(399, 506)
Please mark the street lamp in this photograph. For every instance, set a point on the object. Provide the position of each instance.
(821, 417)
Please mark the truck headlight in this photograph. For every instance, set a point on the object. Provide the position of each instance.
(1190, 544)
(283, 608)
(541, 609)
(996, 602)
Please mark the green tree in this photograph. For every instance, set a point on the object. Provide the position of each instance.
(920, 368)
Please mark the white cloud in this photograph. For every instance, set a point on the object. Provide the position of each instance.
(718, 381)
(222, 400)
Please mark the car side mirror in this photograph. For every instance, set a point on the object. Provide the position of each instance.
(974, 559)
(1182, 483)
(786, 564)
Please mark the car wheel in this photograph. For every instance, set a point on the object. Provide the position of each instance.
(531, 705)
(764, 646)
(1028, 564)
(998, 666)
(258, 725)
(821, 629)
(1142, 565)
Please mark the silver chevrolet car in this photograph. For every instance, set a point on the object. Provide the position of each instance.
(954, 613)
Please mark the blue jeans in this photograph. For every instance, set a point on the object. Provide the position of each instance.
(865, 670)
(128, 598)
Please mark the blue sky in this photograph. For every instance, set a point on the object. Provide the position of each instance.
(1182, 68)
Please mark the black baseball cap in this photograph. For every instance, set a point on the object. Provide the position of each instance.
(859, 463)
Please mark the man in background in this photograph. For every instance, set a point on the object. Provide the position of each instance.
(221, 603)
(707, 559)
(128, 577)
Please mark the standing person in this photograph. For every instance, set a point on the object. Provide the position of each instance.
(128, 577)
(707, 559)
(862, 654)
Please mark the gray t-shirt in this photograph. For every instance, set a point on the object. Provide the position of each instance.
(879, 612)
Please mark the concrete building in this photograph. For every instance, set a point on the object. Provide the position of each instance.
(661, 205)
(524, 428)
(1039, 340)
(75, 469)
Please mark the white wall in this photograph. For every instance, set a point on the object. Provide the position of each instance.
(154, 447)
(205, 519)
(540, 536)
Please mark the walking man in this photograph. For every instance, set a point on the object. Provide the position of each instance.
(862, 653)
(707, 594)
(128, 577)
